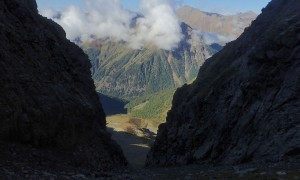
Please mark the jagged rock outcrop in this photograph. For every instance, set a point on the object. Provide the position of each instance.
(244, 105)
(47, 97)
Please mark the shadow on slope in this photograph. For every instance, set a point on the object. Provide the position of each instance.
(112, 106)
(135, 148)
(135, 136)
(217, 47)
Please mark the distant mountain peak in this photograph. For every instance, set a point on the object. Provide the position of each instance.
(226, 25)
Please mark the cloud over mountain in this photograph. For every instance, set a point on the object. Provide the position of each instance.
(108, 19)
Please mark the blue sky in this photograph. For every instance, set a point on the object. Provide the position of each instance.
(219, 6)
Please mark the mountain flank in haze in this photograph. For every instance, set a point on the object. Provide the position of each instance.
(230, 26)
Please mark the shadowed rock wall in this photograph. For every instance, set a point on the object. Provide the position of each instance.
(47, 97)
(244, 105)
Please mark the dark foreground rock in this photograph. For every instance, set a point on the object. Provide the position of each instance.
(50, 114)
(244, 105)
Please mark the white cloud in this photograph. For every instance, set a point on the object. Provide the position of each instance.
(103, 19)
(159, 25)
(211, 38)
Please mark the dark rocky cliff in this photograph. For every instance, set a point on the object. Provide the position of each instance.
(244, 105)
(47, 96)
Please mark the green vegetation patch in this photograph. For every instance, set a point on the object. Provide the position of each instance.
(154, 106)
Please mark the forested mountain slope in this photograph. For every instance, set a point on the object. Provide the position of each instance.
(126, 73)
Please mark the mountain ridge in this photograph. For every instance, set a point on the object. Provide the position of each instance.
(226, 25)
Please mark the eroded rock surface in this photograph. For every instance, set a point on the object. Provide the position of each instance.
(244, 105)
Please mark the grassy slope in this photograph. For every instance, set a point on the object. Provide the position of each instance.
(153, 106)
(135, 132)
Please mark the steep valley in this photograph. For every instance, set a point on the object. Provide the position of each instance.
(110, 111)
(146, 79)
(150, 74)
